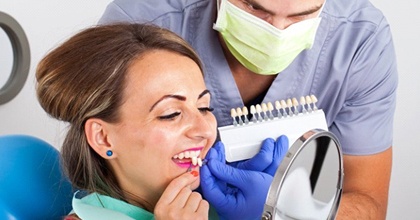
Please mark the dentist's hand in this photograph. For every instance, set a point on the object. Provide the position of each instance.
(238, 193)
(268, 158)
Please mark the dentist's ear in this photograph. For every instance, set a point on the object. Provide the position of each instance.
(97, 137)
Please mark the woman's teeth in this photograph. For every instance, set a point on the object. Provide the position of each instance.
(193, 155)
(197, 161)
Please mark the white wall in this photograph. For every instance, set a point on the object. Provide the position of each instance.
(46, 23)
(49, 22)
(404, 200)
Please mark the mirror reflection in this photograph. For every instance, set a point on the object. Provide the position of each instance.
(308, 183)
(6, 58)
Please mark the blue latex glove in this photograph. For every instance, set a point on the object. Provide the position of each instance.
(268, 158)
(239, 193)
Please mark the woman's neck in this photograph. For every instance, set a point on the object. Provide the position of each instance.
(139, 201)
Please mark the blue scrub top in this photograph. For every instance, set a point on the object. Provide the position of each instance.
(351, 67)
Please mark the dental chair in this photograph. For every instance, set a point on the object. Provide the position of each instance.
(32, 184)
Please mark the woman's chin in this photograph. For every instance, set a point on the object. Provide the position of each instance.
(195, 184)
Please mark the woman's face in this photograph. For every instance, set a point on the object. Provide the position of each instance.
(165, 113)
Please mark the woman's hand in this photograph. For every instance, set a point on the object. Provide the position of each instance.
(178, 201)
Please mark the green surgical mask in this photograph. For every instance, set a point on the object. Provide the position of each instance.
(258, 45)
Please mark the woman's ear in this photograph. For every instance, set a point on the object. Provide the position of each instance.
(97, 137)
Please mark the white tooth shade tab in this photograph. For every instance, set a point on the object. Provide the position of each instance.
(270, 110)
(303, 103)
(295, 106)
(314, 101)
(239, 113)
(245, 113)
(233, 114)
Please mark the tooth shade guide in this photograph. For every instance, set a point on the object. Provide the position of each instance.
(243, 142)
(284, 108)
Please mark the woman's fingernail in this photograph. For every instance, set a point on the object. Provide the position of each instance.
(194, 173)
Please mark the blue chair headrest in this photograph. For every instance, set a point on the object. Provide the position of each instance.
(32, 184)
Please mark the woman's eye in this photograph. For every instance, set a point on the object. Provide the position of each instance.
(170, 116)
(205, 109)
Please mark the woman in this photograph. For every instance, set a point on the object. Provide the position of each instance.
(140, 120)
(140, 126)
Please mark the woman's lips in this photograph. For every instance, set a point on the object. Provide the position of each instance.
(184, 163)
(188, 158)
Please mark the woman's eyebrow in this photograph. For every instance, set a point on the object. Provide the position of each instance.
(178, 97)
(205, 92)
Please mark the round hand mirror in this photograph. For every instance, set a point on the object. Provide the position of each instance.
(308, 183)
(19, 55)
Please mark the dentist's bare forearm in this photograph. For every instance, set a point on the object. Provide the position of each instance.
(360, 206)
(366, 186)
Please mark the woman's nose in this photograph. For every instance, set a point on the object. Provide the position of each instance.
(202, 126)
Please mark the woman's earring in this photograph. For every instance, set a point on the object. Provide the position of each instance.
(109, 153)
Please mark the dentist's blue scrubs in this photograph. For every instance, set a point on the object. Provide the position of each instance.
(351, 67)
